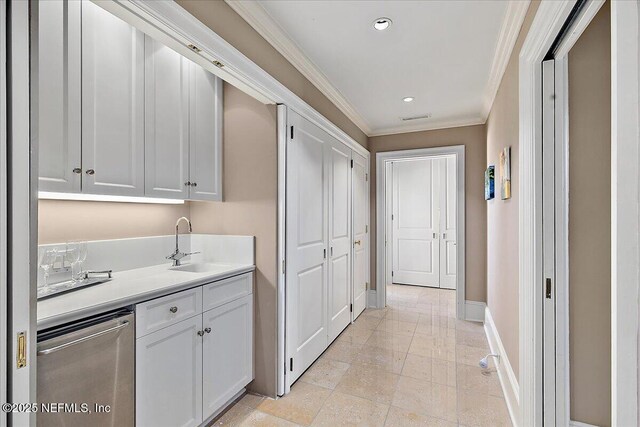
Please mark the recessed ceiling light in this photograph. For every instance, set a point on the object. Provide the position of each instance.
(408, 99)
(381, 24)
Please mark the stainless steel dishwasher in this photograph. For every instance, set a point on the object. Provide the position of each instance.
(86, 372)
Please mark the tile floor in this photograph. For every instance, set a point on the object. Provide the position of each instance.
(410, 364)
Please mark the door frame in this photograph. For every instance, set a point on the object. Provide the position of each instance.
(382, 159)
(545, 29)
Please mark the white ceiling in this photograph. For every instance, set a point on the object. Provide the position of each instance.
(449, 55)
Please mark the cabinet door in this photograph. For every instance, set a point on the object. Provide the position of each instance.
(112, 104)
(339, 299)
(227, 352)
(56, 93)
(166, 121)
(169, 376)
(205, 149)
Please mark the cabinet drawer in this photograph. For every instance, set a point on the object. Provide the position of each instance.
(221, 292)
(162, 312)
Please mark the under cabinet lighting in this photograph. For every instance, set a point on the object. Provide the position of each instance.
(47, 195)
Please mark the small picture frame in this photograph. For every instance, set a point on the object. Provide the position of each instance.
(489, 182)
(505, 173)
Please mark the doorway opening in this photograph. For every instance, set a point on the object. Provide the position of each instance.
(420, 224)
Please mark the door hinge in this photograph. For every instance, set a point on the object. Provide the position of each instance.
(351, 163)
(283, 266)
(366, 228)
(291, 132)
(324, 254)
(366, 177)
(291, 364)
(392, 274)
(21, 354)
(548, 286)
(351, 308)
(366, 285)
(391, 217)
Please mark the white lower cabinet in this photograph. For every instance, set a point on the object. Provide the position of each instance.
(227, 352)
(169, 376)
(188, 370)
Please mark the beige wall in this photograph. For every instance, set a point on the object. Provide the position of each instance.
(502, 215)
(250, 207)
(590, 223)
(218, 16)
(473, 138)
(63, 220)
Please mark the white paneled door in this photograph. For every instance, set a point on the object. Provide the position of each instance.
(414, 223)
(112, 104)
(423, 222)
(448, 219)
(307, 221)
(339, 301)
(360, 233)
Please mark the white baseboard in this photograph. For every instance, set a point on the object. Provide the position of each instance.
(474, 311)
(372, 299)
(508, 379)
(579, 424)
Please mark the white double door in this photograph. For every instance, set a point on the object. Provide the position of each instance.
(423, 222)
(320, 240)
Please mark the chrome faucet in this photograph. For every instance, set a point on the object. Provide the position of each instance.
(176, 256)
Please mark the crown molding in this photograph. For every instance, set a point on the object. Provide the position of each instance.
(516, 12)
(431, 125)
(255, 15)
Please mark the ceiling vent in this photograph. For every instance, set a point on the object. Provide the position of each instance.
(425, 116)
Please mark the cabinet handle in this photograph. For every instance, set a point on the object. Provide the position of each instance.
(77, 170)
(90, 172)
(200, 333)
(173, 309)
(207, 330)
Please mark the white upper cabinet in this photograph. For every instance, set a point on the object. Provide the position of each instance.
(166, 121)
(119, 113)
(112, 104)
(205, 135)
(56, 89)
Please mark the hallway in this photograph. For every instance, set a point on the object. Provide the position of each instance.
(409, 364)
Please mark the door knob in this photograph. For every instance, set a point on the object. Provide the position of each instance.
(207, 330)
(200, 333)
(173, 309)
(357, 242)
(194, 184)
(188, 183)
(90, 172)
(77, 170)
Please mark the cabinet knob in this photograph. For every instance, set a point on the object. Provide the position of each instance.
(90, 172)
(173, 309)
(77, 170)
(188, 183)
(200, 333)
(207, 330)
(195, 184)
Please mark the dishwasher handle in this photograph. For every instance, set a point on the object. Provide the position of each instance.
(124, 324)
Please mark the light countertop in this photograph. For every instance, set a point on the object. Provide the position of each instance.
(126, 288)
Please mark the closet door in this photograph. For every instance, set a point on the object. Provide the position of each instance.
(57, 95)
(306, 272)
(448, 221)
(166, 121)
(415, 222)
(339, 302)
(360, 197)
(112, 104)
(205, 149)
